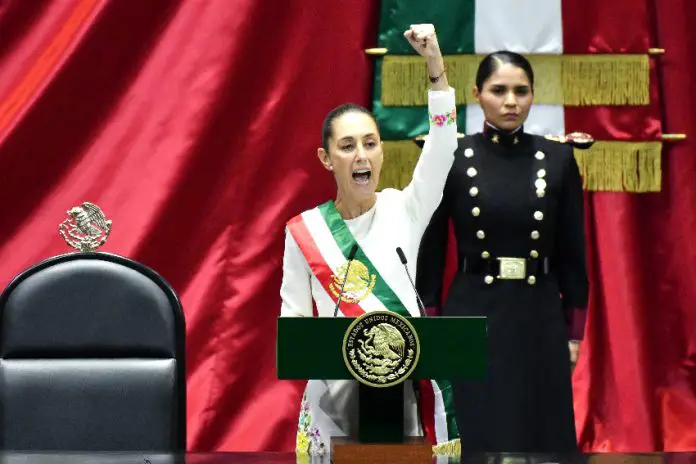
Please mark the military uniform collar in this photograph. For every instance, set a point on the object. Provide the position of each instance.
(502, 137)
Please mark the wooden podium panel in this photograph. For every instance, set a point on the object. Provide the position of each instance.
(413, 450)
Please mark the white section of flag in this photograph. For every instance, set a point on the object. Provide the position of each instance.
(522, 26)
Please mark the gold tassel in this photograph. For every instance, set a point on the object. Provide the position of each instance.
(633, 167)
(450, 448)
(400, 157)
(606, 80)
(608, 166)
(571, 80)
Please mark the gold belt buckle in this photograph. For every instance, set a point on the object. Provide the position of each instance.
(512, 268)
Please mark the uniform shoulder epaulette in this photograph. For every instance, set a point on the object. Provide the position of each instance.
(579, 140)
(420, 139)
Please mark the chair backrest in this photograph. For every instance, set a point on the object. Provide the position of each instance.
(91, 358)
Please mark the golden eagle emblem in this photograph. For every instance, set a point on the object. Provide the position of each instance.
(86, 228)
(358, 283)
(381, 349)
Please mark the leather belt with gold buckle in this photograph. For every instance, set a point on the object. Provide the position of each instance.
(512, 268)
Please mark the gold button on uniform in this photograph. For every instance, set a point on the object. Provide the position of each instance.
(539, 155)
(540, 193)
(538, 215)
(468, 152)
(541, 173)
(485, 255)
(473, 191)
(535, 235)
(488, 279)
(471, 172)
(531, 280)
(475, 211)
(481, 234)
(534, 254)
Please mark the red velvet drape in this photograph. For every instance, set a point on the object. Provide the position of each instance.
(194, 125)
(635, 384)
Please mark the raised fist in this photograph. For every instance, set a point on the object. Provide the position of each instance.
(423, 39)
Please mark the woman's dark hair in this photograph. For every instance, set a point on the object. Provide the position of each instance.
(495, 60)
(327, 127)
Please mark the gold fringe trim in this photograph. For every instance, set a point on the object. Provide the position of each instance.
(400, 157)
(572, 80)
(449, 448)
(633, 167)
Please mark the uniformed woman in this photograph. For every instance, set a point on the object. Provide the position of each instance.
(516, 204)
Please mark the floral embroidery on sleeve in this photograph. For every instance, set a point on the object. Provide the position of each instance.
(308, 438)
(444, 118)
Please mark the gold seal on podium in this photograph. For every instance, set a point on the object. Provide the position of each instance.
(381, 349)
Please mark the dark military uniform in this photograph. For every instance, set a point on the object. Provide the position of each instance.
(516, 204)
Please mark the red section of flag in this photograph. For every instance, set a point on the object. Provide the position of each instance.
(596, 26)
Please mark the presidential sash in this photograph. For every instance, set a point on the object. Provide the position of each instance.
(326, 242)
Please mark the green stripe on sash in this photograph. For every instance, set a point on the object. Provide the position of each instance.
(345, 240)
(446, 390)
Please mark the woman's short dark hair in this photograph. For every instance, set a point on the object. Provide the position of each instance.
(327, 127)
(495, 60)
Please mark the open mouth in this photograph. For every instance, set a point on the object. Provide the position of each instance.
(362, 176)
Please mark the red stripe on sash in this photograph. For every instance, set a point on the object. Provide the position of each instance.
(427, 407)
(318, 265)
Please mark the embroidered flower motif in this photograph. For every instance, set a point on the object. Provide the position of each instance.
(316, 445)
(444, 119)
(302, 459)
(302, 442)
(308, 438)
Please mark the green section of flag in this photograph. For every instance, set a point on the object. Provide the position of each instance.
(454, 23)
(453, 20)
(404, 122)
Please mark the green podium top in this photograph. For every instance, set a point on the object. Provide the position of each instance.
(452, 348)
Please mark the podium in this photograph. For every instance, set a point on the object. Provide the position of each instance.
(452, 348)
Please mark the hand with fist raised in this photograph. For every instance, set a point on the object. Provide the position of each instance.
(423, 39)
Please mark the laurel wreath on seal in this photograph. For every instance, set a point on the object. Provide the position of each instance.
(381, 378)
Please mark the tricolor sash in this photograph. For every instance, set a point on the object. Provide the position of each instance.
(326, 242)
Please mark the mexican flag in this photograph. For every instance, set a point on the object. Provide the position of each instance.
(590, 76)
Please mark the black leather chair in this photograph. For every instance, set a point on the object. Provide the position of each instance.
(91, 358)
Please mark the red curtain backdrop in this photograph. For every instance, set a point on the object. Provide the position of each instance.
(194, 125)
(635, 384)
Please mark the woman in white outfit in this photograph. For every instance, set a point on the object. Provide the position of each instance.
(319, 241)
